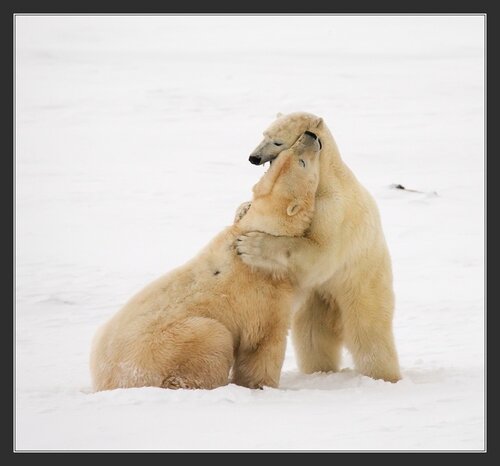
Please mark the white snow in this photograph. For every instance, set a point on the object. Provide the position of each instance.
(132, 144)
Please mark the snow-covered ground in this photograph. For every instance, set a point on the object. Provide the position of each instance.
(132, 144)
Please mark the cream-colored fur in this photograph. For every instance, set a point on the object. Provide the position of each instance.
(342, 261)
(190, 327)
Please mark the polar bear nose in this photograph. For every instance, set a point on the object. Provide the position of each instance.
(255, 159)
(315, 137)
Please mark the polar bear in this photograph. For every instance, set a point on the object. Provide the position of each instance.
(191, 326)
(342, 261)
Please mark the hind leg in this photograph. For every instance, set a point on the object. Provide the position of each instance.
(317, 335)
(373, 351)
(198, 354)
(367, 322)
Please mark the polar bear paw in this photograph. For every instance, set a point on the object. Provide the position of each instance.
(241, 211)
(263, 251)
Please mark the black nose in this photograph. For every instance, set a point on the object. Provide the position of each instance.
(255, 159)
(314, 136)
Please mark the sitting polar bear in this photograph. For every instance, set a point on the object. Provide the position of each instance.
(342, 261)
(191, 326)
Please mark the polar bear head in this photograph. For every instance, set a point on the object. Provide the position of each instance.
(283, 199)
(283, 133)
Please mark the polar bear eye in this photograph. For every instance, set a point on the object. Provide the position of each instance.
(302, 162)
(278, 144)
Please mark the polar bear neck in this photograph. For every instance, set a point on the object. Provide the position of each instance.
(335, 175)
(333, 171)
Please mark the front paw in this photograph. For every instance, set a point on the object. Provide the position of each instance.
(251, 385)
(254, 384)
(242, 211)
(260, 250)
(251, 242)
(250, 247)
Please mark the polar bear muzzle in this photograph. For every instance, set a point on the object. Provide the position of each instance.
(255, 159)
(267, 151)
(314, 136)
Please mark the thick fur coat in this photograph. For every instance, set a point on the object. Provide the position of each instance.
(342, 263)
(215, 315)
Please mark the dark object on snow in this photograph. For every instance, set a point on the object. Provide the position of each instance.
(400, 186)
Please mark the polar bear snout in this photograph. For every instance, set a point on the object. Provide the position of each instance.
(255, 159)
(266, 151)
(310, 133)
(310, 141)
(260, 159)
(314, 137)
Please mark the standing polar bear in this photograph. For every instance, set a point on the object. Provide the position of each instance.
(342, 261)
(190, 327)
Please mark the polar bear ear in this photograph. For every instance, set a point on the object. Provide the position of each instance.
(279, 114)
(293, 208)
(317, 122)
